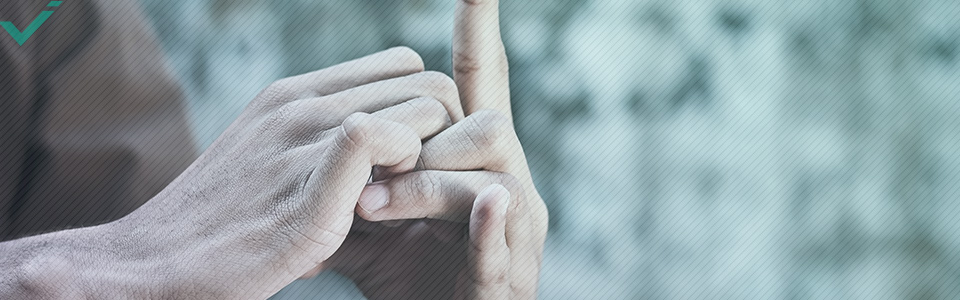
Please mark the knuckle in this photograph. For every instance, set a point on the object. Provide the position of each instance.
(517, 191)
(294, 116)
(439, 86)
(529, 203)
(291, 130)
(488, 129)
(440, 83)
(424, 189)
(428, 107)
(278, 118)
(282, 112)
(279, 90)
(355, 129)
(495, 119)
(512, 184)
(279, 86)
(466, 63)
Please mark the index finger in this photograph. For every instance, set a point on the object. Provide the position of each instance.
(391, 63)
(479, 59)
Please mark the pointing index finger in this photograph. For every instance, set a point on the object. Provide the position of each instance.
(479, 59)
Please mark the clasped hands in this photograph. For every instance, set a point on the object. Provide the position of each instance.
(286, 191)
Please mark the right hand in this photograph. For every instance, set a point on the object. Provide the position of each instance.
(276, 193)
(487, 222)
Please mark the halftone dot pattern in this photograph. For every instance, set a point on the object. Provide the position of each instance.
(687, 149)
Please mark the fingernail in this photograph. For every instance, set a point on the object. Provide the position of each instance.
(374, 197)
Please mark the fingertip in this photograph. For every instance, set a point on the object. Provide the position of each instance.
(355, 118)
(430, 107)
(489, 254)
(490, 208)
(373, 198)
(409, 57)
(385, 143)
(496, 195)
(352, 127)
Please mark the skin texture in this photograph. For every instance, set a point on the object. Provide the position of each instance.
(474, 251)
(278, 194)
(268, 200)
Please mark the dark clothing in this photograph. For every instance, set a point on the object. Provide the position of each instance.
(92, 125)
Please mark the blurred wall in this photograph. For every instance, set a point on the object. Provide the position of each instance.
(687, 148)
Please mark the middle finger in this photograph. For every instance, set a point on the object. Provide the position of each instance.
(438, 195)
(485, 140)
(382, 94)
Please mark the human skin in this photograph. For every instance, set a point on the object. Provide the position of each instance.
(500, 257)
(276, 194)
(268, 200)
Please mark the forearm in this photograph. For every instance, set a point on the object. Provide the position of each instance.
(71, 264)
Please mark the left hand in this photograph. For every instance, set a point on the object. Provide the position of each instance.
(496, 255)
(469, 172)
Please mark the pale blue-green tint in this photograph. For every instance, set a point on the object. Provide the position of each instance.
(687, 149)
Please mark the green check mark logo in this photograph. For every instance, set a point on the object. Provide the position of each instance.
(22, 36)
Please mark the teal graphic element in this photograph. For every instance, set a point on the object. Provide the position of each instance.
(22, 36)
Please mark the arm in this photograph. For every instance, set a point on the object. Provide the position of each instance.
(71, 264)
(273, 197)
(475, 180)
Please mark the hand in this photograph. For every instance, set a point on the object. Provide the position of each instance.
(276, 193)
(467, 167)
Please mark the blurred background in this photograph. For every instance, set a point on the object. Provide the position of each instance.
(729, 149)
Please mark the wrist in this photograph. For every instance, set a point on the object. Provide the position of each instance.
(152, 257)
(36, 271)
(82, 263)
(116, 264)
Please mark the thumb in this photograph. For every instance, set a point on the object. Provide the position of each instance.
(488, 268)
(362, 142)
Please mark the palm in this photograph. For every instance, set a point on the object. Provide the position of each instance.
(404, 262)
